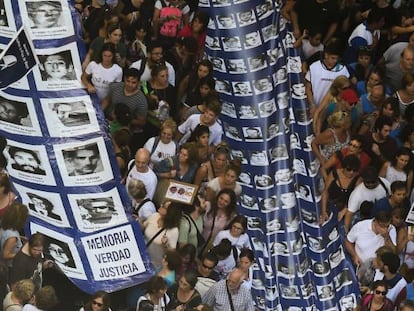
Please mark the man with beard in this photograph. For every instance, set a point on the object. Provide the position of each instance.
(155, 58)
(26, 161)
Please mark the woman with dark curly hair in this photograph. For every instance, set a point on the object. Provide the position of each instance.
(161, 231)
(100, 301)
(219, 213)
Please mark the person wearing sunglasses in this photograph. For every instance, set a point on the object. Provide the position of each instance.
(100, 301)
(377, 300)
(206, 276)
(339, 185)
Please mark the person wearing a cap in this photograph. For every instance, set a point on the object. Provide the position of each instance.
(322, 73)
(349, 102)
(372, 188)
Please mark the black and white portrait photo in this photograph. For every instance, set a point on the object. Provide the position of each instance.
(273, 130)
(232, 132)
(97, 211)
(348, 302)
(269, 32)
(287, 200)
(246, 18)
(294, 64)
(298, 91)
(268, 204)
(303, 116)
(94, 211)
(231, 43)
(60, 250)
(226, 21)
(264, 9)
(303, 192)
(236, 66)
(213, 43)
(83, 160)
(14, 112)
(282, 99)
(45, 14)
(84, 163)
(309, 218)
(4, 22)
(316, 244)
(263, 181)
(26, 160)
(299, 166)
(320, 268)
(59, 253)
(218, 64)
(239, 154)
(336, 257)
(42, 206)
(283, 176)
(247, 111)
(223, 86)
(280, 76)
(342, 279)
(70, 116)
(289, 291)
(259, 158)
(228, 109)
(252, 40)
(257, 62)
(249, 202)
(245, 179)
(325, 292)
(262, 85)
(252, 133)
(275, 225)
(242, 88)
(267, 108)
(279, 248)
(294, 141)
(307, 290)
(18, 115)
(59, 68)
(278, 152)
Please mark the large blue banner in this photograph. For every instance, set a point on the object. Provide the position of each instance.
(301, 265)
(59, 156)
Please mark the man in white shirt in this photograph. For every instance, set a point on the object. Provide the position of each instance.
(372, 188)
(139, 169)
(367, 236)
(155, 57)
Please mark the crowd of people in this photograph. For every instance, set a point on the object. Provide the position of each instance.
(147, 66)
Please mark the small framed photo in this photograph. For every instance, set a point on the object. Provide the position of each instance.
(181, 192)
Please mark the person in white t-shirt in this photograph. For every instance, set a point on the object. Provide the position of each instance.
(321, 73)
(209, 118)
(368, 235)
(371, 189)
(236, 233)
(139, 169)
(155, 57)
(163, 146)
(99, 74)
